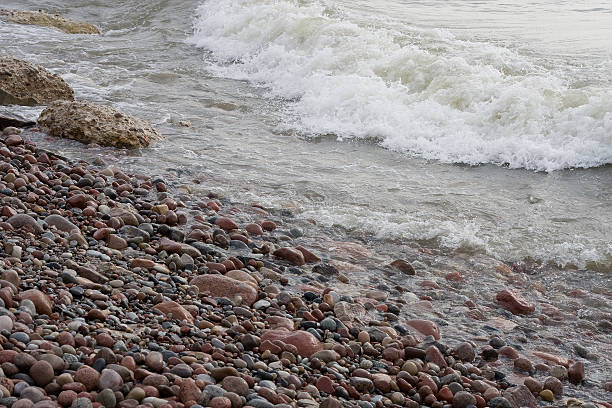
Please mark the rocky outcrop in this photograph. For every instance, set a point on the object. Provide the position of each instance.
(40, 18)
(91, 123)
(24, 83)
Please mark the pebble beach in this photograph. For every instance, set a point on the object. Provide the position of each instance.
(120, 289)
(118, 293)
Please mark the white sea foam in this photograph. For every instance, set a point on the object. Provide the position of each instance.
(423, 92)
(466, 236)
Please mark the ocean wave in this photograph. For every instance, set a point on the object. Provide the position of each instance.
(427, 94)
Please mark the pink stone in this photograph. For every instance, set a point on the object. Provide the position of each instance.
(189, 391)
(306, 343)
(575, 373)
(78, 200)
(308, 255)
(514, 302)
(66, 398)
(170, 246)
(222, 286)
(426, 327)
(226, 223)
(491, 393)
(509, 352)
(13, 140)
(41, 301)
(42, 372)
(178, 312)
(520, 396)
(254, 229)
(268, 225)
(236, 385)
(220, 402)
(290, 254)
(434, 355)
(382, 382)
(105, 340)
(116, 242)
(87, 376)
(325, 384)
(279, 322)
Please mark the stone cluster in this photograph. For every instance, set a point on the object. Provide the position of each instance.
(115, 293)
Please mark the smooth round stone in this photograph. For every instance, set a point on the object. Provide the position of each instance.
(499, 402)
(19, 387)
(28, 306)
(261, 304)
(236, 385)
(6, 323)
(220, 402)
(455, 387)
(182, 370)
(71, 358)
(155, 361)
(260, 403)
(267, 384)
(21, 337)
(547, 395)
(34, 394)
(398, 398)
(107, 398)
(42, 373)
(463, 399)
(66, 398)
(410, 367)
(110, 379)
(117, 283)
(363, 337)
(497, 342)
(99, 364)
(137, 394)
(328, 324)
(65, 378)
(14, 402)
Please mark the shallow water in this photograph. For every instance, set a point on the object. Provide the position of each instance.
(471, 126)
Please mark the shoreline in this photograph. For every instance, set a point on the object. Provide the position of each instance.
(442, 293)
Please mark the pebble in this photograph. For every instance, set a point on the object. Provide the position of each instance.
(547, 395)
(553, 384)
(42, 373)
(463, 399)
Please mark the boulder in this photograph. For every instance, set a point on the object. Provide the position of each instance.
(91, 123)
(24, 83)
(40, 18)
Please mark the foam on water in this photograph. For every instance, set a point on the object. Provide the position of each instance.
(420, 91)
